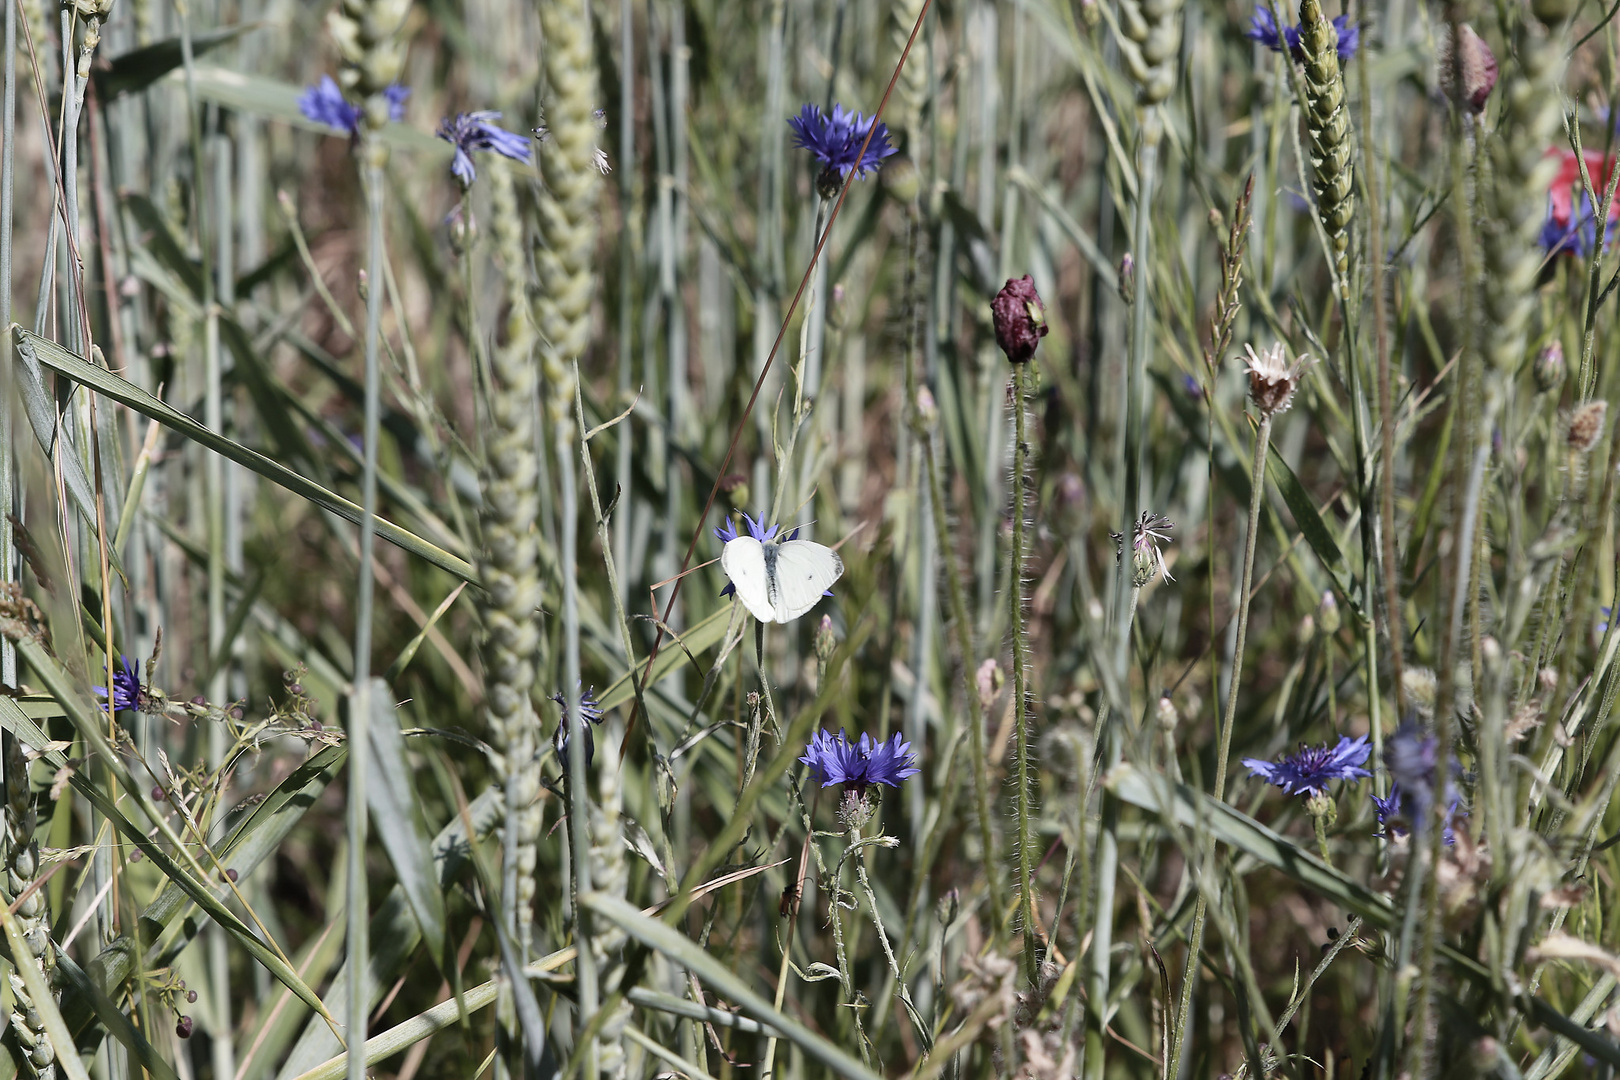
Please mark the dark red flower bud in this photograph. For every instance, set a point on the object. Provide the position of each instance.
(1020, 318)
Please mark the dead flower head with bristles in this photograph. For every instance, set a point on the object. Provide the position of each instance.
(1586, 426)
(1151, 533)
(1272, 379)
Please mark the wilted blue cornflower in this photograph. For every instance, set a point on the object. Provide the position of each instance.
(1399, 810)
(1411, 755)
(127, 691)
(477, 131)
(590, 712)
(1308, 771)
(835, 140)
(324, 103)
(833, 759)
(1263, 28)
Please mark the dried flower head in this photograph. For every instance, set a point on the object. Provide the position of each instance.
(1020, 318)
(589, 712)
(1273, 381)
(1586, 426)
(1147, 554)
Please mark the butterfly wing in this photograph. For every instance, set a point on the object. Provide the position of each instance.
(804, 571)
(743, 560)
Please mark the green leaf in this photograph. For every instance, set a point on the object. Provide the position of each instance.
(1315, 530)
(137, 69)
(105, 382)
(721, 979)
(395, 933)
(111, 1017)
(397, 814)
(698, 639)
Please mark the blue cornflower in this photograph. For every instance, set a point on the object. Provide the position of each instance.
(836, 141)
(1308, 771)
(1263, 28)
(1400, 809)
(1411, 755)
(590, 711)
(833, 759)
(1576, 234)
(127, 691)
(476, 131)
(727, 532)
(324, 103)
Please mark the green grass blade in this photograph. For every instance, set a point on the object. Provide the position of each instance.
(105, 382)
(721, 979)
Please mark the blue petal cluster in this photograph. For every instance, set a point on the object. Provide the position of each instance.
(836, 140)
(1263, 28)
(477, 131)
(1397, 812)
(127, 693)
(324, 103)
(590, 711)
(1309, 771)
(1577, 236)
(1412, 757)
(833, 759)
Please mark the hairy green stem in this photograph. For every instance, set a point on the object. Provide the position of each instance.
(1020, 676)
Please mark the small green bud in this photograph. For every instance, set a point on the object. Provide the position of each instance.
(1549, 368)
(1327, 614)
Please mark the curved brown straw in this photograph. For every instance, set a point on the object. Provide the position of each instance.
(759, 383)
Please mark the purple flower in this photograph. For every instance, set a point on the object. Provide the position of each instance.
(476, 131)
(127, 691)
(1411, 755)
(1308, 771)
(833, 759)
(324, 103)
(836, 140)
(1263, 28)
(1577, 235)
(727, 532)
(1396, 813)
(589, 711)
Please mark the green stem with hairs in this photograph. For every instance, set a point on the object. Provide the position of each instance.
(1020, 675)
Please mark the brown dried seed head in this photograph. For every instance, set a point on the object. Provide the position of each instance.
(1272, 379)
(1586, 426)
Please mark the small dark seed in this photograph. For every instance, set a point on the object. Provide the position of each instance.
(1333, 933)
(191, 997)
(231, 874)
(316, 725)
(157, 793)
(236, 714)
(136, 856)
(199, 700)
(297, 689)
(183, 1027)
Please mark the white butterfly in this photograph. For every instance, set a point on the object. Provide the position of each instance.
(776, 580)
